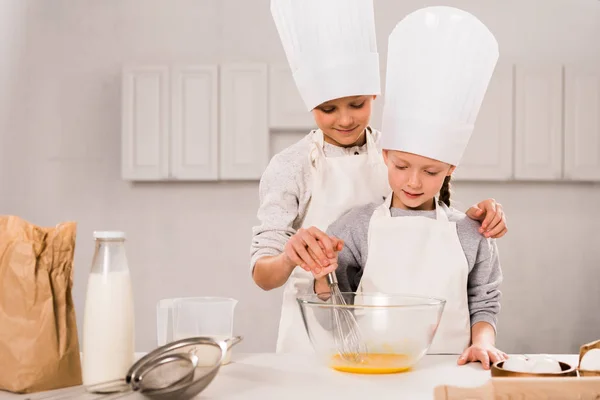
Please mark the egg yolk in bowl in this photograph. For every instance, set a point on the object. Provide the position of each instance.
(374, 363)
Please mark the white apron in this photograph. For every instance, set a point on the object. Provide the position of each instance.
(338, 184)
(421, 256)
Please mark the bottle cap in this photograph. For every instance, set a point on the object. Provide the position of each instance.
(109, 235)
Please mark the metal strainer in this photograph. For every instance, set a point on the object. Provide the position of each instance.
(178, 370)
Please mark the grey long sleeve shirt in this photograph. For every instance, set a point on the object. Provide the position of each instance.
(485, 274)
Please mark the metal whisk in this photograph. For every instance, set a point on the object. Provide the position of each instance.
(348, 337)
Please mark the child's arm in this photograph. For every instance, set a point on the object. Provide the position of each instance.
(483, 287)
(483, 334)
(271, 272)
(484, 305)
(279, 193)
(279, 244)
(352, 230)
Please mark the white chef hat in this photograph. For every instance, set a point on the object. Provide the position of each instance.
(330, 46)
(440, 62)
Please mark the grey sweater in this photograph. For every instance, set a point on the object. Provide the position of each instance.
(485, 274)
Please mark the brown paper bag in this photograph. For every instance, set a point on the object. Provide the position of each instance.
(39, 348)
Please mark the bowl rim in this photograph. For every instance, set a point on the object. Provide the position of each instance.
(589, 372)
(312, 299)
(496, 370)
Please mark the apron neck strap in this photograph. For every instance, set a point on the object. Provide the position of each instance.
(318, 141)
(318, 138)
(374, 156)
(440, 213)
(384, 209)
(316, 147)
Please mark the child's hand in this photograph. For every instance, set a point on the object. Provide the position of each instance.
(333, 264)
(332, 261)
(312, 250)
(321, 283)
(492, 218)
(485, 353)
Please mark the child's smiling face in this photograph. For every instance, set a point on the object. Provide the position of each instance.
(344, 120)
(415, 179)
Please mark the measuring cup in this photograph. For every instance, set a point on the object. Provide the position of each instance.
(164, 322)
(196, 316)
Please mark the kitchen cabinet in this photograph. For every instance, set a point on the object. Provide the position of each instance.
(145, 130)
(489, 154)
(195, 123)
(170, 123)
(582, 122)
(558, 122)
(286, 108)
(538, 122)
(244, 133)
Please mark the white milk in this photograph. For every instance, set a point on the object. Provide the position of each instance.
(108, 330)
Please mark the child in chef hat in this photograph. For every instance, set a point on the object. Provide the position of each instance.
(440, 61)
(331, 48)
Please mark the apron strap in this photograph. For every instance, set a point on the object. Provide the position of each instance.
(384, 209)
(375, 157)
(316, 152)
(381, 211)
(318, 141)
(440, 212)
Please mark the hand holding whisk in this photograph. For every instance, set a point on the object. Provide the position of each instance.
(346, 331)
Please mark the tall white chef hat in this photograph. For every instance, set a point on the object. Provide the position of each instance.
(330, 46)
(440, 62)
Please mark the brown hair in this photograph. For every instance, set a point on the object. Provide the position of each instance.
(445, 191)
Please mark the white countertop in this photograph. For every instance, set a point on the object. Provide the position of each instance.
(289, 377)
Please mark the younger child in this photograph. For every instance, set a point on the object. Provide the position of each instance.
(440, 61)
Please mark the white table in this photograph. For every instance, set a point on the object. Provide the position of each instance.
(290, 377)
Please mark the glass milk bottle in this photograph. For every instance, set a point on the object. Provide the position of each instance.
(108, 328)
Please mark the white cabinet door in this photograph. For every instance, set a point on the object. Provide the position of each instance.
(244, 144)
(539, 138)
(489, 155)
(194, 121)
(286, 108)
(582, 122)
(145, 129)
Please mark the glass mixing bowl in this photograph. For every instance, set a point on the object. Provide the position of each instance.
(396, 329)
